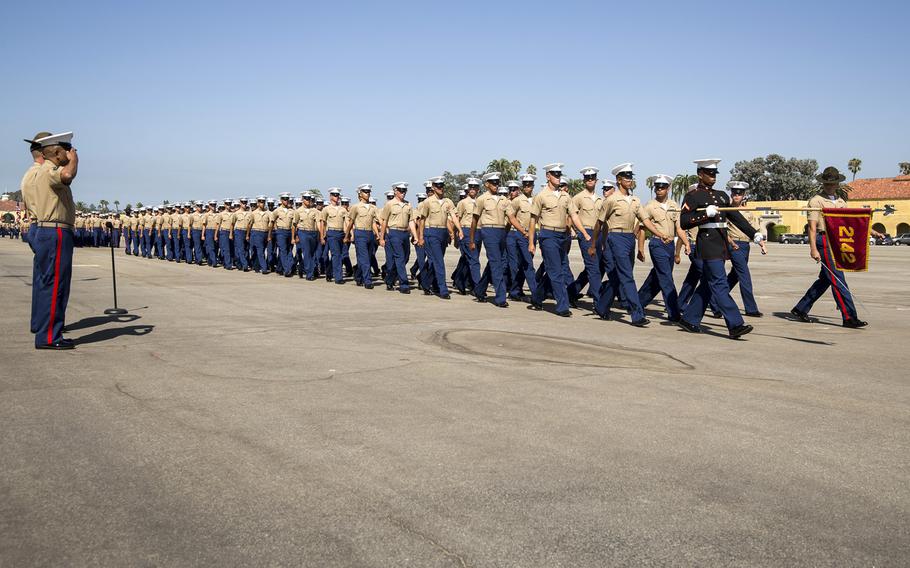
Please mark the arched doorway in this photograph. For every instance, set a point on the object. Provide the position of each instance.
(769, 227)
(8, 217)
(903, 228)
(879, 227)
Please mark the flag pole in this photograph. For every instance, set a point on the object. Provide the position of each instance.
(115, 311)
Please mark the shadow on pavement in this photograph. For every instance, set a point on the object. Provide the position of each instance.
(107, 334)
(100, 320)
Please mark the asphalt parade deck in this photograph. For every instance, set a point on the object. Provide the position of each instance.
(237, 419)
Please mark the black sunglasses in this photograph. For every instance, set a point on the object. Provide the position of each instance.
(527, 183)
(555, 173)
(439, 184)
(474, 185)
(66, 146)
(493, 182)
(661, 185)
(590, 177)
(709, 171)
(626, 175)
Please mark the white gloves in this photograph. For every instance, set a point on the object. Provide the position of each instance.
(758, 238)
(711, 210)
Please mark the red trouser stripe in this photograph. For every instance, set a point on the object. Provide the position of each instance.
(834, 283)
(50, 325)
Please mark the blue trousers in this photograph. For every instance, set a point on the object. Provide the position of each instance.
(693, 277)
(258, 245)
(308, 241)
(285, 261)
(147, 243)
(271, 254)
(713, 285)
(494, 240)
(622, 247)
(225, 244)
(521, 264)
(467, 271)
(553, 252)
(660, 279)
(333, 238)
(158, 237)
(839, 290)
(322, 252)
(389, 263)
(400, 245)
(54, 272)
(197, 245)
(740, 274)
(240, 250)
(187, 245)
(136, 238)
(592, 275)
(435, 243)
(363, 243)
(210, 252)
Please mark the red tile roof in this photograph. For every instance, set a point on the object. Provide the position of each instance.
(881, 188)
(9, 205)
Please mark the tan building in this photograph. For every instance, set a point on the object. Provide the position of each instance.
(873, 193)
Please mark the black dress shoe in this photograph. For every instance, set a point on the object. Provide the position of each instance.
(247, 269)
(359, 284)
(691, 328)
(481, 300)
(462, 292)
(405, 291)
(855, 323)
(340, 282)
(328, 278)
(605, 317)
(536, 306)
(310, 278)
(754, 314)
(717, 315)
(502, 305)
(368, 286)
(740, 330)
(641, 322)
(674, 319)
(389, 287)
(573, 304)
(564, 314)
(427, 293)
(58, 346)
(801, 316)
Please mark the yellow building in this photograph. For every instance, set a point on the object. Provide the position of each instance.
(874, 193)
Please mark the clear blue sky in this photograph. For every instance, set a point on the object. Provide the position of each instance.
(185, 100)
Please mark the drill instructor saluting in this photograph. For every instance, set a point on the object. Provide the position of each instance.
(55, 214)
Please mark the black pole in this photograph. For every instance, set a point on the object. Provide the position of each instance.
(115, 310)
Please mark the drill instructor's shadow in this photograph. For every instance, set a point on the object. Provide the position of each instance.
(109, 333)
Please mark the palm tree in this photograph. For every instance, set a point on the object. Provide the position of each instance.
(117, 205)
(103, 203)
(507, 168)
(80, 206)
(855, 165)
(905, 168)
(650, 183)
(532, 169)
(680, 186)
(139, 204)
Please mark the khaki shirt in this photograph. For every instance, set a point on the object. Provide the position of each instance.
(621, 213)
(664, 218)
(521, 209)
(53, 200)
(284, 218)
(363, 215)
(242, 219)
(333, 217)
(197, 221)
(307, 218)
(29, 189)
(176, 220)
(80, 222)
(208, 219)
(823, 202)
(186, 221)
(490, 210)
(158, 222)
(396, 214)
(552, 209)
(588, 206)
(435, 211)
(261, 218)
(734, 231)
(465, 211)
(225, 220)
(117, 222)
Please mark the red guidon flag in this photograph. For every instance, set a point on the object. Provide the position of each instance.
(847, 232)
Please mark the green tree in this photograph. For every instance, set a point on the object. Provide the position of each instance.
(129, 207)
(905, 168)
(508, 168)
(575, 185)
(455, 182)
(165, 202)
(15, 195)
(104, 203)
(680, 186)
(316, 193)
(80, 206)
(532, 169)
(775, 178)
(117, 204)
(139, 204)
(855, 165)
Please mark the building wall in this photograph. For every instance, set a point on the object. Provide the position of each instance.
(894, 224)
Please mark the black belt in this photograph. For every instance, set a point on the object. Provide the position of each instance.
(396, 229)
